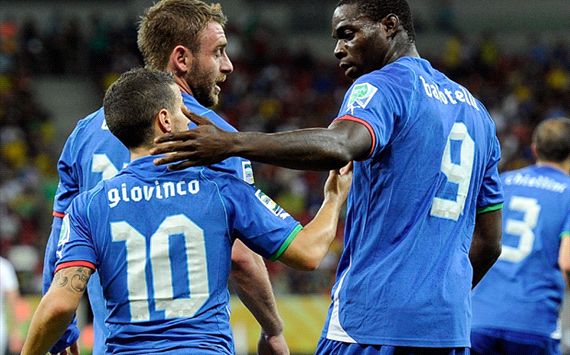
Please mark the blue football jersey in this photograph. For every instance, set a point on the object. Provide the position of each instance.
(523, 291)
(91, 154)
(404, 277)
(161, 241)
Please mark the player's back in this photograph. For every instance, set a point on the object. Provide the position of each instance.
(161, 242)
(523, 291)
(412, 208)
(163, 251)
(91, 154)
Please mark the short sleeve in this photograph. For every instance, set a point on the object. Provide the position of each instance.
(258, 221)
(68, 186)
(75, 246)
(376, 100)
(490, 195)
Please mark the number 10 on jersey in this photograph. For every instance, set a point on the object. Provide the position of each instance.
(161, 266)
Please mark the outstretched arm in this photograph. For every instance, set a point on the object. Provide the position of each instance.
(486, 244)
(312, 243)
(56, 309)
(310, 149)
(250, 280)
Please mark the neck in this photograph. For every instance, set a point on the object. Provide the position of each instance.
(401, 48)
(183, 84)
(139, 152)
(563, 166)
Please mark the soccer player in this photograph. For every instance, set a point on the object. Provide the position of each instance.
(424, 212)
(517, 305)
(186, 38)
(161, 240)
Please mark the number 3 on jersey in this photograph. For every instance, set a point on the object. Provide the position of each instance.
(161, 266)
(102, 164)
(522, 229)
(459, 174)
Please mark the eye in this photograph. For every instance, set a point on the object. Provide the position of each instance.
(347, 35)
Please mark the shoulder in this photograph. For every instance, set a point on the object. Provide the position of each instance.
(394, 76)
(93, 120)
(193, 105)
(86, 198)
(85, 126)
(223, 181)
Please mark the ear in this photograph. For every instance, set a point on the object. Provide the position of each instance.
(163, 121)
(534, 151)
(391, 24)
(180, 60)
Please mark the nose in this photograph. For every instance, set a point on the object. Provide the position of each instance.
(339, 50)
(227, 66)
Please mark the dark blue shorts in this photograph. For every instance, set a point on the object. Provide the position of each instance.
(333, 347)
(499, 341)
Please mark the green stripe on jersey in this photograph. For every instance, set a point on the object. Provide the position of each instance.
(565, 235)
(286, 243)
(490, 208)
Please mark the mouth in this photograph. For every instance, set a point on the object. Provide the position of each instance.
(346, 67)
(217, 88)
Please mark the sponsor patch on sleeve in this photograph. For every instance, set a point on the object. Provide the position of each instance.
(360, 96)
(271, 205)
(247, 172)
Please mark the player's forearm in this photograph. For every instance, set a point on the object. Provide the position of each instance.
(47, 326)
(482, 256)
(564, 259)
(486, 244)
(313, 242)
(250, 280)
(313, 148)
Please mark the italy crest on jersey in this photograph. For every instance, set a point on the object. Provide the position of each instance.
(247, 172)
(360, 96)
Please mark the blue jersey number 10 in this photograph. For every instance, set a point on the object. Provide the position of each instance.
(459, 174)
(161, 268)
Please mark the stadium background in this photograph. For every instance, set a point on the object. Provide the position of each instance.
(57, 57)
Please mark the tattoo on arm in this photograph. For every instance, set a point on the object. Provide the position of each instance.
(73, 278)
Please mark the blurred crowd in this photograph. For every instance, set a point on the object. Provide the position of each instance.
(273, 88)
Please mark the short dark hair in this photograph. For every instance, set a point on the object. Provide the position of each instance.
(131, 103)
(170, 23)
(376, 10)
(552, 139)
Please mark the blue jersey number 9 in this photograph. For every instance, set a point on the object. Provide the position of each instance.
(459, 174)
